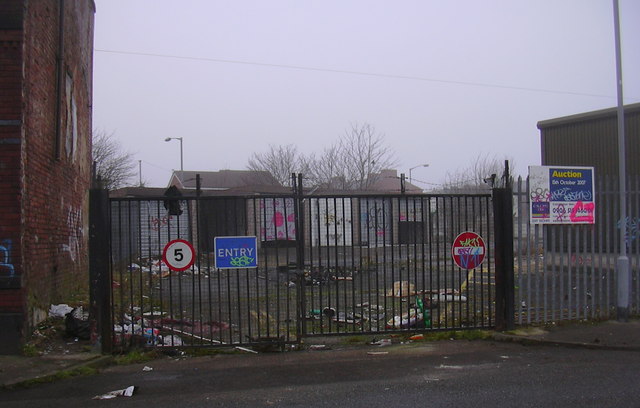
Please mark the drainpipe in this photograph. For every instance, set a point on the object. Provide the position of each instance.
(60, 79)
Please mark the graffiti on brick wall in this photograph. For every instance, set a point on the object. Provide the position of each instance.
(5, 258)
(633, 229)
(74, 225)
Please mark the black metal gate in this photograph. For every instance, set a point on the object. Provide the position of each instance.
(338, 264)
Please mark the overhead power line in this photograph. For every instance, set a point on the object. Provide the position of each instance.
(347, 72)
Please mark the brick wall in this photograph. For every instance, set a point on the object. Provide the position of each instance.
(48, 160)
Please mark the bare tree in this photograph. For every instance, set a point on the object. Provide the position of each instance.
(327, 170)
(280, 161)
(352, 163)
(114, 166)
(482, 174)
(364, 154)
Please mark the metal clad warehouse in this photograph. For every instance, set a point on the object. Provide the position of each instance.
(591, 139)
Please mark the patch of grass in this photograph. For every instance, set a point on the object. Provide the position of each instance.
(210, 351)
(356, 340)
(458, 335)
(61, 375)
(30, 350)
(136, 356)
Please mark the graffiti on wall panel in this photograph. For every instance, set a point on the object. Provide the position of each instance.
(5, 257)
(411, 210)
(331, 224)
(375, 222)
(278, 219)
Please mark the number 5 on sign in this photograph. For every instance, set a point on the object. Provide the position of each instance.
(178, 255)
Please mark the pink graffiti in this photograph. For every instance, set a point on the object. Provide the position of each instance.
(581, 207)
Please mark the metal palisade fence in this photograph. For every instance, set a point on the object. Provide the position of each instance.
(568, 272)
(322, 265)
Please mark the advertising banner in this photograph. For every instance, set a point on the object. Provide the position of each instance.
(561, 195)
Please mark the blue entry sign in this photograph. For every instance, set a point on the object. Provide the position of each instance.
(235, 252)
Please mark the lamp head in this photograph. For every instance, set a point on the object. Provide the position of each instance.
(167, 139)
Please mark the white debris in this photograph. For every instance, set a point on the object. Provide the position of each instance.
(59, 310)
(126, 392)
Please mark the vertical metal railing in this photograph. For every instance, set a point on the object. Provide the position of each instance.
(567, 272)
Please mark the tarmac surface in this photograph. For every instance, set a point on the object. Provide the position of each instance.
(53, 363)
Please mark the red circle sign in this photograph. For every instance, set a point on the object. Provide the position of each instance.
(178, 255)
(468, 250)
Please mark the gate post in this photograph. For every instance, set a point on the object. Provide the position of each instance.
(298, 197)
(99, 271)
(503, 232)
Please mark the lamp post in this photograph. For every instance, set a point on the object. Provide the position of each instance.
(181, 157)
(623, 274)
(415, 167)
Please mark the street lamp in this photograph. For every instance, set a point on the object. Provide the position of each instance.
(415, 167)
(181, 157)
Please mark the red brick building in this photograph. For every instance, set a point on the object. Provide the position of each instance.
(46, 58)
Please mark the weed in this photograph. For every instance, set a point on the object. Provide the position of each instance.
(30, 350)
(355, 340)
(136, 356)
(61, 375)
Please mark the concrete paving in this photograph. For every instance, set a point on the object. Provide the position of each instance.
(608, 335)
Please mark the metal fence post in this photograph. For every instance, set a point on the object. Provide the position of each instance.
(503, 232)
(298, 197)
(99, 268)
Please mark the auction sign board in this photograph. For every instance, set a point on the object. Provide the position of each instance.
(561, 195)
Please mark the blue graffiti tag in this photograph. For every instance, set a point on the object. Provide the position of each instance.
(633, 229)
(5, 257)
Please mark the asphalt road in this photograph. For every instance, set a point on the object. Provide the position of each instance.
(442, 374)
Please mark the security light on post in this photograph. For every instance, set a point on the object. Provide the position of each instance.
(415, 167)
(181, 156)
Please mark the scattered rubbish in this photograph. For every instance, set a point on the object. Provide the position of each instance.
(417, 337)
(345, 318)
(246, 350)
(381, 343)
(402, 289)
(59, 310)
(410, 319)
(77, 324)
(377, 353)
(318, 347)
(342, 278)
(447, 297)
(171, 341)
(451, 367)
(329, 312)
(147, 368)
(126, 392)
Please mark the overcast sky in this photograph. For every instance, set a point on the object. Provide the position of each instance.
(444, 81)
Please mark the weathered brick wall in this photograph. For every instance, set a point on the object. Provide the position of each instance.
(51, 161)
(12, 295)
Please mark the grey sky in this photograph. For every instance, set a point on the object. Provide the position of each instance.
(444, 81)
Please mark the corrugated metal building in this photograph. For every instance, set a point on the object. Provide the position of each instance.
(591, 139)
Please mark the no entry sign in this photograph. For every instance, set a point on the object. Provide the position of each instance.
(468, 250)
(178, 255)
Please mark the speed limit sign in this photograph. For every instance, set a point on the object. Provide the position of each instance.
(178, 255)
